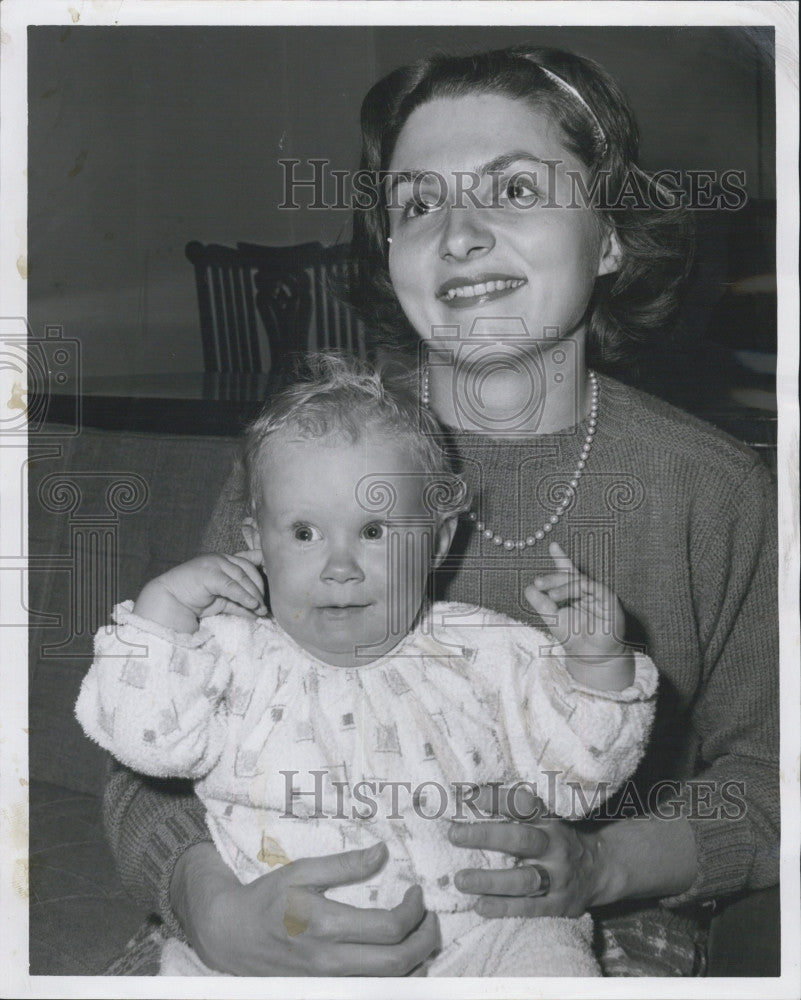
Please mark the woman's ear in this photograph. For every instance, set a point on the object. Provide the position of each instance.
(251, 533)
(611, 254)
(443, 538)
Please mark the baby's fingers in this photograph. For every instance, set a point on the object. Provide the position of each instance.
(571, 591)
(235, 586)
(251, 555)
(541, 602)
(224, 607)
(561, 559)
(568, 573)
(549, 581)
(246, 561)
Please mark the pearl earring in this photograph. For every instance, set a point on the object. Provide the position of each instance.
(389, 239)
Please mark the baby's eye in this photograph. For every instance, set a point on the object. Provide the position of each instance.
(305, 533)
(521, 189)
(374, 531)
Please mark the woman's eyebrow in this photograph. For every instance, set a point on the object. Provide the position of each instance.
(397, 177)
(498, 163)
(506, 160)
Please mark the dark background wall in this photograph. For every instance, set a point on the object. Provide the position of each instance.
(141, 139)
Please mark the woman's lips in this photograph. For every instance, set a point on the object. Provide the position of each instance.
(463, 293)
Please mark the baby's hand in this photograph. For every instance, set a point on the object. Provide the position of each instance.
(587, 619)
(207, 585)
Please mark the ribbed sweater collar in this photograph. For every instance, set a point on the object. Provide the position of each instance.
(558, 451)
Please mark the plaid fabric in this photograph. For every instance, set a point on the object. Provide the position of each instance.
(652, 942)
(142, 953)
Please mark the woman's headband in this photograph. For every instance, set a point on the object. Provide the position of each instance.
(568, 88)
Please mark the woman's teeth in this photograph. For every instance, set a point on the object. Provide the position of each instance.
(470, 291)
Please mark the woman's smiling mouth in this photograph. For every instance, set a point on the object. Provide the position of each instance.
(461, 293)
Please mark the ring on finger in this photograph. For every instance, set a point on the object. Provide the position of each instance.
(542, 873)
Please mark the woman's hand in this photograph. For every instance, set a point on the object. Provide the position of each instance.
(559, 871)
(283, 925)
(563, 869)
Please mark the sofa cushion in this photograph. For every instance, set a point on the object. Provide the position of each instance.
(107, 511)
(80, 917)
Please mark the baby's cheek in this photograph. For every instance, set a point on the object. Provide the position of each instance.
(288, 606)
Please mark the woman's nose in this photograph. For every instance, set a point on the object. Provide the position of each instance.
(342, 566)
(466, 232)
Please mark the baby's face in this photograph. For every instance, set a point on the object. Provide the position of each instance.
(347, 543)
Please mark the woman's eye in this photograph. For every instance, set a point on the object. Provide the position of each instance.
(414, 209)
(420, 205)
(522, 191)
(305, 533)
(373, 532)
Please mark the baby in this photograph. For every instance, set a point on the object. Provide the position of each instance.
(353, 711)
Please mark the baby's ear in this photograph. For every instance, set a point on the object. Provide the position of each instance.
(251, 533)
(443, 539)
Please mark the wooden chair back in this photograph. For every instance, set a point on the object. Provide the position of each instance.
(259, 304)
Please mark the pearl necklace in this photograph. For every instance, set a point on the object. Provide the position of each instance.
(510, 544)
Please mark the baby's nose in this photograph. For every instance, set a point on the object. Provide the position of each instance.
(342, 566)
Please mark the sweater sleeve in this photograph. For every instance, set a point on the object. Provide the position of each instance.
(154, 698)
(733, 801)
(149, 824)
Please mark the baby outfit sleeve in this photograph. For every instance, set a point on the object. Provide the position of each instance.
(579, 744)
(154, 698)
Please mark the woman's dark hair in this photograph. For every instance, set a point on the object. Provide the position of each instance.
(656, 242)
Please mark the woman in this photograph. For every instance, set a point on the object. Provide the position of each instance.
(515, 237)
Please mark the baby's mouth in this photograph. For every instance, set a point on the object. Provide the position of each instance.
(337, 611)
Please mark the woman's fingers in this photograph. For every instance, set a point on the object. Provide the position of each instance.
(520, 839)
(379, 960)
(517, 801)
(515, 906)
(330, 920)
(348, 940)
(336, 869)
(523, 880)
(269, 927)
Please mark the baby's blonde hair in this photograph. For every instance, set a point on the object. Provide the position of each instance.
(332, 394)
